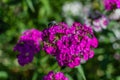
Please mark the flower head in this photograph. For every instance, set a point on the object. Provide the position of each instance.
(55, 76)
(70, 44)
(76, 45)
(28, 45)
(51, 35)
(111, 4)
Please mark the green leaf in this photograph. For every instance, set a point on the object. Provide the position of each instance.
(81, 72)
(35, 76)
(99, 51)
(3, 74)
(46, 6)
(118, 78)
(30, 4)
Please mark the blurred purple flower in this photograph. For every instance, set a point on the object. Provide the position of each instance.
(28, 45)
(55, 76)
(111, 4)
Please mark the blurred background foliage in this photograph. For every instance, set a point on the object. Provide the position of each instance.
(18, 15)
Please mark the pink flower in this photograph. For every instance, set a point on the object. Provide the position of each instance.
(111, 4)
(55, 76)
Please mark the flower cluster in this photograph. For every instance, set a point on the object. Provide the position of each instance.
(51, 35)
(69, 44)
(111, 4)
(55, 76)
(98, 24)
(28, 45)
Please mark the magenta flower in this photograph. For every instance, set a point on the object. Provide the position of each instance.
(51, 35)
(55, 76)
(28, 45)
(67, 59)
(111, 4)
(69, 44)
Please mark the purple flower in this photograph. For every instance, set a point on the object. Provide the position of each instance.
(51, 35)
(67, 59)
(28, 45)
(49, 49)
(76, 45)
(93, 42)
(69, 44)
(111, 4)
(25, 58)
(55, 76)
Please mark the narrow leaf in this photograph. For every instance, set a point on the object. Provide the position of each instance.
(81, 72)
(30, 4)
(35, 75)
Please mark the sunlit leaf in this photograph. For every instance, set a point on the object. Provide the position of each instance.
(30, 4)
(3, 74)
(81, 72)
